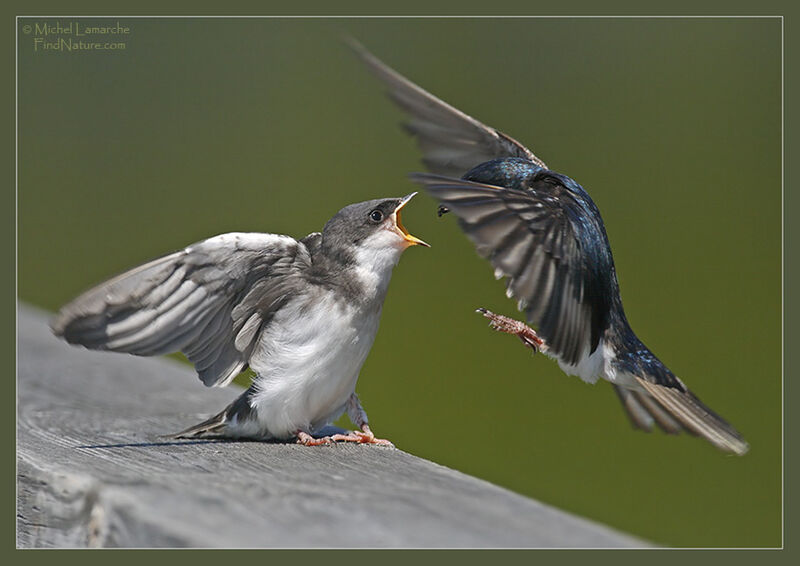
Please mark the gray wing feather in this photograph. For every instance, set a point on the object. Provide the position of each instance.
(531, 241)
(452, 142)
(210, 301)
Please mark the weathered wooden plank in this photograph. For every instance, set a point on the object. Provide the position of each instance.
(92, 471)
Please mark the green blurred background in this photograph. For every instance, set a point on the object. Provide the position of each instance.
(204, 126)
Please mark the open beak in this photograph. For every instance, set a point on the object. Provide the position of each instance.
(412, 240)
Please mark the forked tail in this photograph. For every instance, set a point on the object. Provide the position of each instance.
(675, 410)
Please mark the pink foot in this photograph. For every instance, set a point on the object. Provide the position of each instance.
(360, 437)
(363, 436)
(517, 328)
(307, 440)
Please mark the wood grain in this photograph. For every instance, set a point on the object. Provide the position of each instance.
(93, 471)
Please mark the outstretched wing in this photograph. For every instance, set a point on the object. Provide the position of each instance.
(209, 301)
(452, 142)
(529, 237)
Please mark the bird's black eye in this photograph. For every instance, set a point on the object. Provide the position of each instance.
(376, 216)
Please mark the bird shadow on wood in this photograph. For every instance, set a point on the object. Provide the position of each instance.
(326, 431)
(179, 443)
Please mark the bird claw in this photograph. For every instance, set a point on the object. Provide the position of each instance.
(307, 440)
(359, 437)
(525, 333)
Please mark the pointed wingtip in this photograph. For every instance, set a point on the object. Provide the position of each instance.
(351, 42)
(361, 52)
(57, 325)
(61, 321)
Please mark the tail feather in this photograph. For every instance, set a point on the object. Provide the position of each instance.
(217, 426)
(662, 417)
(644, 411)
(674, 411)
(640, 417)
(696, 417)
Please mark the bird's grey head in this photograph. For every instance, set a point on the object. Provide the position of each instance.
(370, 228)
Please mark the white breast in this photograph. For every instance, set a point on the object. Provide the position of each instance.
(307, 363)
(308, 357)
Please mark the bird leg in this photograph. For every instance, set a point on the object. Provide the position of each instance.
(517, 328)
(358, 415)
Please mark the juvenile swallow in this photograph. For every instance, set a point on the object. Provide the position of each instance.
(302, 314)
(542, 231)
